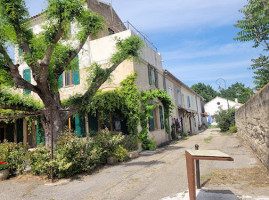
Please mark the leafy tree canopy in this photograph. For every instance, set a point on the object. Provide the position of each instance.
(206, 91)
(239, 91)
(255, 27)
(48, 53)
(261, 71)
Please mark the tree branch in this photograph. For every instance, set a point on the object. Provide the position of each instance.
(14, 72)
(85, 99)
(50, 49)
(19, 116)
(16, 107)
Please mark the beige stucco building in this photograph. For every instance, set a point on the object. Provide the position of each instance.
(187, 116)
(151, 76)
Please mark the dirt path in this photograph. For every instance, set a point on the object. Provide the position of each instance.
(156, 176)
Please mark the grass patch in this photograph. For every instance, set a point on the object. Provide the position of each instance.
(257, 176)
(213, 126)
(208, 139)
(226, 133)
(183, 138)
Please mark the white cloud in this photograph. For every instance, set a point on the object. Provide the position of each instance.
(158, 15)
(193, 51)
(209, 67)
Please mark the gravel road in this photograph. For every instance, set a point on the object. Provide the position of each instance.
(154, 176)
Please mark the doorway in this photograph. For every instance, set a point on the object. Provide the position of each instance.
(3, 133)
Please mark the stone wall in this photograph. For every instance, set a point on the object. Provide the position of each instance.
(252, 121)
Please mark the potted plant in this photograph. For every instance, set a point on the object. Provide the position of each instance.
(3, 170)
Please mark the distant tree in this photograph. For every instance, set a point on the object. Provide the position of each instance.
(261, 67)
(206, 91)
(237, 90)
(255, 27)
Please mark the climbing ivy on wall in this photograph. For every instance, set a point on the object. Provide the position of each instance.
(126, 99)
(146, 110)
(134, 106)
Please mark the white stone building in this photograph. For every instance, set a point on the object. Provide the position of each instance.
(213, 106)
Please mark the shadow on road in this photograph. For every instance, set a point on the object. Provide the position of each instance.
(144, 163)
(216, 195)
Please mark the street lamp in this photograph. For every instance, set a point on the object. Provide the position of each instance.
(218, 82)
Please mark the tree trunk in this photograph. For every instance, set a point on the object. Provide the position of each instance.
(52, 118)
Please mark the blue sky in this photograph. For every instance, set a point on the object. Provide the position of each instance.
(194, 37)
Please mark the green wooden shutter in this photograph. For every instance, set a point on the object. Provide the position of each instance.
(75, 73)
(149, 74)
(151, 122)
(92, 123)
(156, 78)
(60, 81)
(161, 116)
(27, 77)
(80, 125)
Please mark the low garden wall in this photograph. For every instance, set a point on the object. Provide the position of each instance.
(252, 121)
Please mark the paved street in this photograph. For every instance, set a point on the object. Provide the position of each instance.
(158, 176)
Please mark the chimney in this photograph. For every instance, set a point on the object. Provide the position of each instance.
(236, 100)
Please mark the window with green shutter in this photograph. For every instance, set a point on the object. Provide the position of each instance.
(80, 125)
(149, 75)
(75, 73)
(72, 77)
(161, 116)
(27, 77)
(60, 81)
(151, 122)
(156, 78)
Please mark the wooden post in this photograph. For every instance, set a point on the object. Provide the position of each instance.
(51, 138)
(69, 124)
(34, 125)
(197, 170)
(191, 175)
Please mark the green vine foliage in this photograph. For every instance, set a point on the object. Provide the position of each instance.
(24, 102)
(146, 110)
(126, 99)
(133, 106)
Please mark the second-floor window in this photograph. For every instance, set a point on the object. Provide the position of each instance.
(170, 92)
(188, 102)
(179, 98)
(153, 76)
(71, 77)
(192, 102)
(27, 77)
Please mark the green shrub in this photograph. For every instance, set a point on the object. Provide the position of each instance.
(185, 134)
(74, 155)
(149, 144)
(120, 154)
(15, 155)
(173, 131)
(233, 129)
(39, 161)
(225, 119)
(129, 142)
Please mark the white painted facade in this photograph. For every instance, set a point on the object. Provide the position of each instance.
(213, 107)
